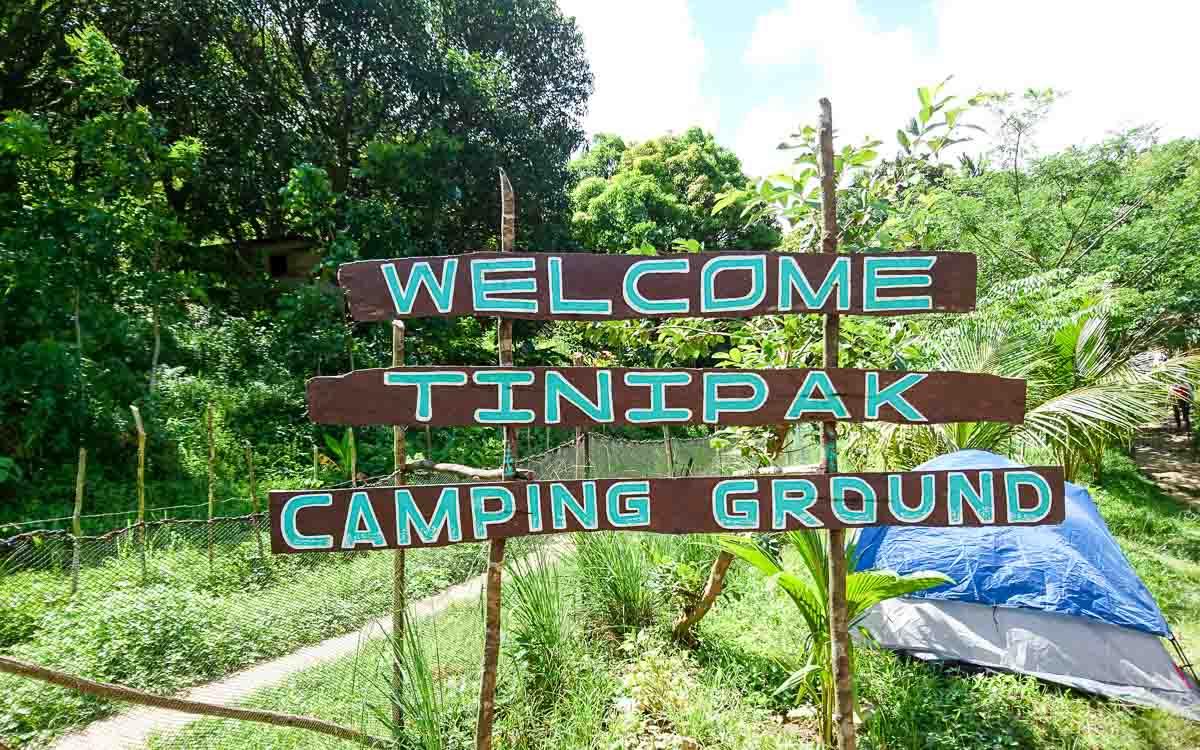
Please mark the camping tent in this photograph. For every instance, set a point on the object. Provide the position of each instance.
(1060, 602)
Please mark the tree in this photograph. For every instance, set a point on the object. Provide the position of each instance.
(87, 240)
(659, 191)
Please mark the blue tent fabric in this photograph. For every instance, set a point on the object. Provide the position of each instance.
(1075, 568)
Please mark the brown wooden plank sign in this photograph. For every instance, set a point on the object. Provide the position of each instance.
(438, 515)
(731, 284)
(585, 397)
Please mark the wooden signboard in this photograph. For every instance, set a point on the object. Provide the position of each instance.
(437, 515)
(730, 284)
(584, 396)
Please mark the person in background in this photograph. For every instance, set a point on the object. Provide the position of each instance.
(1181, 405)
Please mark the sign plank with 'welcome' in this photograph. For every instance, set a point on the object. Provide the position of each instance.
(732, 284)
(585, 396)
(437, 515)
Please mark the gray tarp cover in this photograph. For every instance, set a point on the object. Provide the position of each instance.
(1079, 652)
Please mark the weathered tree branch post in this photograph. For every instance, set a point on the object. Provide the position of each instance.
(669, 450)
(353, 457)
(254, 498)
(212, 479)
(399, 457)
(76, 525)
(583, 453)
(491, 641)
(839, 630)
(141, 487)
(316, 466)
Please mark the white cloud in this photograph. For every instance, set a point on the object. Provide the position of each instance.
(1122, 64)
(647, 58)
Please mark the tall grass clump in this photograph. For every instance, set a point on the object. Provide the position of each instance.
(539, 627)
(614, 573)
(433, 715)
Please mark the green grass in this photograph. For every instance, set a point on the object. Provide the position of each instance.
(189, 623)
(618, 684)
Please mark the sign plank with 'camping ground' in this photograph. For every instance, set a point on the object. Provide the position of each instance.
(585, 396)
(586, 286)
(437, 515)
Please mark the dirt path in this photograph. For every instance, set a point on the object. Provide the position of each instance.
(1166, 457)
(131, 729)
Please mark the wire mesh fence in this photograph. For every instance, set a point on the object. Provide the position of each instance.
(200, 609)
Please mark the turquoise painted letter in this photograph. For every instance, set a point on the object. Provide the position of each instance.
(287, 520)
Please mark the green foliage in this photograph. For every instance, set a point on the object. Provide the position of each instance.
(614, 569)
(539, 629)
(658, 191)
(808, 588)
(1088, 389)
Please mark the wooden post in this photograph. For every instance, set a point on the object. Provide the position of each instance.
(316, 466)
(141, 487)
(428, 442)
(353, 458)
(839, 631)
(76, 526)
(400, 458)
(491, 639)
(670, 450)
(254, 499)
(583, 454)
(212, 478)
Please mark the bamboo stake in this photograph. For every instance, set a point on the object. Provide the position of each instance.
(399, 450)
(212, 478)
(839, 630)
(254, 499)
(141, 486)
(582, 449)
(76, 526)
(670, 450)
(129, 695)
(491, 641)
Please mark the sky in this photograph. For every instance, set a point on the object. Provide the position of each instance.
(751, 70)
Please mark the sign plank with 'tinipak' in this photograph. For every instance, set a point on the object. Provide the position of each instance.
(585, 396)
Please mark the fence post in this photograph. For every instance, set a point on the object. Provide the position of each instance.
(583, 452)
(670, 450)
(254, 499)
(141, 487)
(400, 458)
(316, 466)
(491, 640)
(353, 458)
(76, 526)
(212, 478)
(839, 630)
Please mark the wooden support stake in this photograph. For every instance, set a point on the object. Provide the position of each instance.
(839, 630)
(212, 479)
(254, 499)
(76, 525)
(670, 450)
(353, 458)
(141, 487)
(400, 459)
(583, 453)
(428, 442)
(491, 640)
